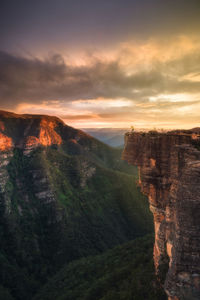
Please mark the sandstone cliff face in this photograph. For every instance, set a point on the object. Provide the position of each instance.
(169, 168)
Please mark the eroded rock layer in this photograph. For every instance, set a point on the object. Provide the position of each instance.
(169, 168)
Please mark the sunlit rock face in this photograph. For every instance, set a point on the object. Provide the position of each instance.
(46, 135)
(27, 131)
(169, 168)
(5, 142)
(6, 146)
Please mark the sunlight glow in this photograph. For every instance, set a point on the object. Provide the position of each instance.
(173, 98)
(102, 103)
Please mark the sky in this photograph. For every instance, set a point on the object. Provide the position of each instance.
(102, 63)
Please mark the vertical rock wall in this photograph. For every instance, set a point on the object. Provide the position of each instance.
(169, 170)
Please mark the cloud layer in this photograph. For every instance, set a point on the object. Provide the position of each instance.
(141, 83)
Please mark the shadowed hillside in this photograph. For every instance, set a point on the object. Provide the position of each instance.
(124, 273)
(63, 195)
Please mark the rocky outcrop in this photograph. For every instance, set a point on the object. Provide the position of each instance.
(169, 173)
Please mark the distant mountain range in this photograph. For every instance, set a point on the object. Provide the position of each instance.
(113, 137)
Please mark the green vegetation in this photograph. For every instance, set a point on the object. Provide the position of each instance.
(62, 204)
(125, 272)
(4, 294)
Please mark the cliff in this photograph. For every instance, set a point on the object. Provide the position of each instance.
(169, 168)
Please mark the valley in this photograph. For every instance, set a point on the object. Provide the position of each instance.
(63, 196)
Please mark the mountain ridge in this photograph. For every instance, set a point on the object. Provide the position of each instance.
(61, 198)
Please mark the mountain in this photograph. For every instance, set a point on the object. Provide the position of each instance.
(113, 137)
(63, 195)
(115, 141)
(169, 166)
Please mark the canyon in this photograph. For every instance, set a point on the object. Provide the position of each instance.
(64, 196)
(169, 174)
(52, 214)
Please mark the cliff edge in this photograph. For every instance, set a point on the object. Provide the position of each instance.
(169, 174)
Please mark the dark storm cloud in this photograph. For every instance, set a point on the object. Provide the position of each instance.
(35, 80)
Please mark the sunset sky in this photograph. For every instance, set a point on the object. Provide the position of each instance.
(102, 63)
